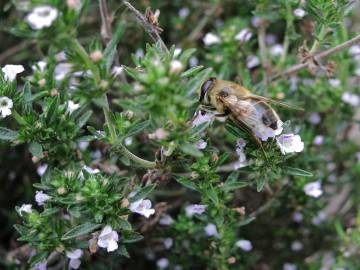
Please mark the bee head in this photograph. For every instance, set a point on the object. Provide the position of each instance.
(205, 87)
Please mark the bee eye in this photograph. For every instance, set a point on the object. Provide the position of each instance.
(208, 84)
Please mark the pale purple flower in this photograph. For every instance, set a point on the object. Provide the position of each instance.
(201, 118)
(201, 144)
(244, 35)
(74, 256)
(142, 207)
(355, 49)
(41, 265)
(277, 50)
(357, 155)
(162, 263)
(41, 197)
(10, 71)
(108, 239)
(193, 209)
(270, 39)
(256, 21)
(297, 217)
(27, 208)
(211, 230)
(61, 70)
(318, 219)
(318, 140)
(264, 132)
(357, 72)
(294, 80)
(352, 99)
(297, 246)
(193, 61)
(177, 52)
(6, 105)
(313, 189)
(40, 66)
(299, 12)
(184, 12)
(117, 70)
(335, 83)
(290, 143)
(245, 245)
(210, 39)
(72, 106)
(289, 266)
(41, 17)
(166, 220)
(252, 61)
(315, 118)
(168, 242)
(41, 169)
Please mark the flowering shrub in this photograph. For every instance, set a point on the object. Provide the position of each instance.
(113, 162)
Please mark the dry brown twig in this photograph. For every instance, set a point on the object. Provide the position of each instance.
(149, 28)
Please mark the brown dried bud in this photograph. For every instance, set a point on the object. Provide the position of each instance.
(240, 210)
(61, 190)
(73, 4)
(35, 159)
(125, 203)
(232, 260)
(194, 175)
(280, 95)
(93, 245)
(129, 115)
(42, 82)
(214, 157)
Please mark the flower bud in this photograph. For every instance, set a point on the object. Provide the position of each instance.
(96, 56)
(53, 92)
(42, 82)
(104, 84)
(231, 260)
(129, 115)
(35, 159)
(194, 175)
(125, 203)
(73, 4)
(175, 67)
(214, 157)
(61, 190)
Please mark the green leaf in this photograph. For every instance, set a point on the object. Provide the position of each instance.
(123, 224)
(22, 230)
(122, 251)
(39, 257)
(297, 172)
(187, 182)
(49, 212)
(51, 110)
(27, 97)
(191, 150)
(82, 120)
(260, 183)
(233, 130)
(244, 222)
(137, 128)
(191, 72)
(36, 149)
(111, 48)
(131, 237)
(8, 134)
(80, 230)
(142, 193)
(228, 186)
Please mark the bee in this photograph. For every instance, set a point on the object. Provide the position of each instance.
(251, 113)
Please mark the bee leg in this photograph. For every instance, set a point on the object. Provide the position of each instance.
(226, 113)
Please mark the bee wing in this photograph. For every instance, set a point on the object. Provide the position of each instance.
(277, 102)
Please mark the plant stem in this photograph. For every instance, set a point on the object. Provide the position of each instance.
(18, 117)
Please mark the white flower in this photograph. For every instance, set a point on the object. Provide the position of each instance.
(352, 99)
(315, 118)
(41, 17)
(211, 230)
(27, 208)
(5, 106)
(355, 49)
(313, 189)
(74, 257)
(297, 217)
(244, 35)
(201, 144)
(166, 220)
(184, 12)
(108, 239)
(128, 141)
(211, 39)
(91, 170)
(177, 51)
(357, 72)
(175, 66)
(168, 242)
(289, 266)
(193, 209)
(117, 70)
(318, 140)
(83, 145)
(297, 246)
(264, 132)
(41, 65)
(276, 50)
(41, 169)
(289, 143)
(72, 106)
(252, 61)
(334, 83)
(299, 12)
(293, 83)
(162, 263)
(10, 71)
(245, 245)
(142, 207)
(41, 197)
(201, 118)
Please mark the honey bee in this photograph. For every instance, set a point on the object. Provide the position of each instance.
(251, 113)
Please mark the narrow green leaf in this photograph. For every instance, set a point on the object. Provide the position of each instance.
(80, 230)
(51, 110)
(137, 128)
(228, 186)
(260, 183)
(191, 72)
(122, 251)
(244, 222)
(37, 258)
(8, 134)
(191, 150)
(297, 172)
(187, 182)
(82, 120)
(22, 230)
(110, 50)
(131, 237)
(36, 149)
(143, 193)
